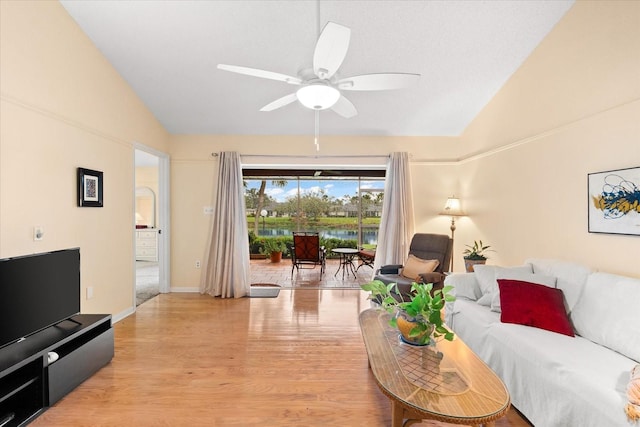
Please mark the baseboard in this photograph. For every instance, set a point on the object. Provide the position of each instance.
(183, 290)
(124, 313)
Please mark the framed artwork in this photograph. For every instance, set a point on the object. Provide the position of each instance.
(89, 188)
(614, 201)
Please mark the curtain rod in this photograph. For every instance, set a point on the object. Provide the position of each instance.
(306, 156)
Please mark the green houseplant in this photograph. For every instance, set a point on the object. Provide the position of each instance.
(474, 254)
(417, 319)
(274, 248)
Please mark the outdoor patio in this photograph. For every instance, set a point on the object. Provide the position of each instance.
(264, 271)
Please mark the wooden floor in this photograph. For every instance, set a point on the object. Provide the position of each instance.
(193, 360)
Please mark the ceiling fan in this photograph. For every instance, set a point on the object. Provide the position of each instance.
(320, 87)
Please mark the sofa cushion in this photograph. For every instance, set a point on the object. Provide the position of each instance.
(571, 277)
(539, 279)
(486, 276)
(414, 266)
(608, 313)
(557, 380)
(534, 305)
(464, 285)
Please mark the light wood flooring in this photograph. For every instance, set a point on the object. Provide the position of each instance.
(194, 360)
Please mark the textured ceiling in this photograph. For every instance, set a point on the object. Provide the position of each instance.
(168, 52)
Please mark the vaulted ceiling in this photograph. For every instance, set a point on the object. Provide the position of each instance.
(168, 52)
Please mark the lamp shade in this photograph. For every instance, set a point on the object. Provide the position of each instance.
(452, 207)
(318, 96)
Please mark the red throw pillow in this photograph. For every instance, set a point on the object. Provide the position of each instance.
(534, 305)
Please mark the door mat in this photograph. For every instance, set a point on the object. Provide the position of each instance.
(264, 290)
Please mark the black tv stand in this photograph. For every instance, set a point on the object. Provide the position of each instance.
(29, 384)
(71, 319)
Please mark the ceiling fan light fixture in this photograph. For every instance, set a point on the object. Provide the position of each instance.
(318, 96)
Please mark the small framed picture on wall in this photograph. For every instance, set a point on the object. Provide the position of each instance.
(90, 188)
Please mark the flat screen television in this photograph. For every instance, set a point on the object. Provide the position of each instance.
(38, 291)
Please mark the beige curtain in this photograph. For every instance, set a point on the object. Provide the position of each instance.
(396, 222)
(226, 263)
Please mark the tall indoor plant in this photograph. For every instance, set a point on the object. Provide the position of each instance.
(420, 317)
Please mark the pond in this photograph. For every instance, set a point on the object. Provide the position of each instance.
(369, 236)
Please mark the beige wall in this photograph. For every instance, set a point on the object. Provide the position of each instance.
(63, 106)
(194, 173)
(572, 108)
(520, 168)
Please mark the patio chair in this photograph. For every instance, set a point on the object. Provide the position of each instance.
(367, 257)
(425, 249)
(306, 252)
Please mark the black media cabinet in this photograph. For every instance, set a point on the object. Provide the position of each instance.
(29, 384)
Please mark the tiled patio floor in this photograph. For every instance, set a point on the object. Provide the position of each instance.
(264, 271)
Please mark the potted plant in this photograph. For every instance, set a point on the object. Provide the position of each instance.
(255, 245)
(418, 319)
(274, 248)
(475, 255)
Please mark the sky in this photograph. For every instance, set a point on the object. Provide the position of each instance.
(333, 188)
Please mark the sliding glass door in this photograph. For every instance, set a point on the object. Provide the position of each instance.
(343, 206)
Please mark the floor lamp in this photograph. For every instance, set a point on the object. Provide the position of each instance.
(452, 208)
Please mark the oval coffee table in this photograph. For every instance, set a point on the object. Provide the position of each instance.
(445, 382)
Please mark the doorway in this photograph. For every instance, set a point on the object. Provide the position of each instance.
(151, 224)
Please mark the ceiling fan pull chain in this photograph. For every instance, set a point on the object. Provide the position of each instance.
(318, 26)
(316, 140)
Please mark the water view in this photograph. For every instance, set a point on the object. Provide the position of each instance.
(335, 207)
(369, 236)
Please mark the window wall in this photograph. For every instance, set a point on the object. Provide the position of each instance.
(339, 204)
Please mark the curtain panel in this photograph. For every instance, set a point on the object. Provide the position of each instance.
(226, 263)
(397, 221)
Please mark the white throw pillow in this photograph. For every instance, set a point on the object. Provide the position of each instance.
(607, 313)
(464, 285)
(486, 276)
(571, 277)
(539, 279)
(485, 299)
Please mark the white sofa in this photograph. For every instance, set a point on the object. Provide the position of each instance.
(555, 379)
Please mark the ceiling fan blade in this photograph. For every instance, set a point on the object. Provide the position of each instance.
(380, 81)
(254, 72)
(280, 102)
(331, 49)
(345, 108)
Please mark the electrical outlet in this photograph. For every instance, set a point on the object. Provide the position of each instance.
(197, 263)
(89, 292)
(38, 233)
(207, 210)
